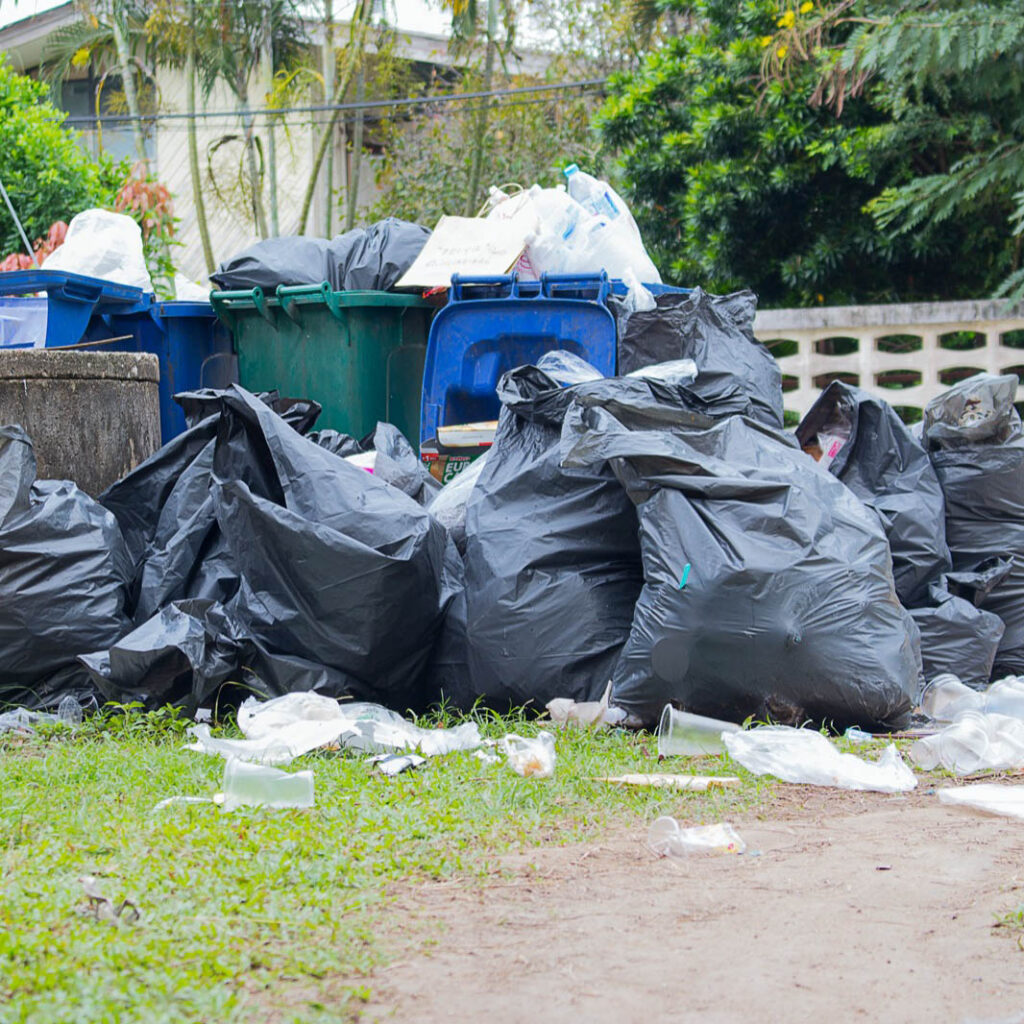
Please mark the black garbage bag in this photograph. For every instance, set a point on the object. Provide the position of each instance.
(956, 635)
(876, 456)
(552, 564)
(167, 515)
(973, 436)
(64, 571)
(348, 572)
(717, 333)
(395, 460)
(372, 258)
(287, 259)
(768, 585)
(376, 257)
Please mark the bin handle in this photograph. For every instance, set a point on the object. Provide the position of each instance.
(550, 283)
(336, 309)
(460, 281)
(286, 298)
(221, 302)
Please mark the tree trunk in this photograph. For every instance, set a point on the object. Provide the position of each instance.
(268, 57)
(124, 60)
(357, 38)
(480, 129)
(193, 146)
(330, 71)
(255, 185)
(352, 194)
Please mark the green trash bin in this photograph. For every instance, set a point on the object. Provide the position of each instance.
(359, 354)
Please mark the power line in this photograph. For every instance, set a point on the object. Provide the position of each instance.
(407, 101)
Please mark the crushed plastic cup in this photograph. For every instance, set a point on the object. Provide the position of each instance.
(531, 758)
(961, 747)
(680, 733)
(1006, 697)
(69, 711)
(259, 785)
(667, 839)
(946, 697)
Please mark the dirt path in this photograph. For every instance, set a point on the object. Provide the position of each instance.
(853, 907)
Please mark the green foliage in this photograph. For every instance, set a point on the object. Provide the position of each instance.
(48, 175)
(742, 181)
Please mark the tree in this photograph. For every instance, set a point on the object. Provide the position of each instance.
(48, 175)
(111, 33)
(744, 178)
(429, 154)
(958, 62)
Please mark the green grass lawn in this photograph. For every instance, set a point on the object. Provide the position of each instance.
(249, 915)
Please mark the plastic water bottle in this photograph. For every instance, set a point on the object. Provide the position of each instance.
(598, 197)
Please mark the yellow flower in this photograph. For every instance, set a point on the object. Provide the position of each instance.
(765, 41)
(81, 58)
(781, 52)
(787, 20)
(806, 7)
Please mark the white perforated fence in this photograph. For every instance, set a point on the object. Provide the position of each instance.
(907, 354)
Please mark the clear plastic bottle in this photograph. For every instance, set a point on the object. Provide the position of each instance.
(598, 197)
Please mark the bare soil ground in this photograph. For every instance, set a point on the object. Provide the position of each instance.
(845, 907)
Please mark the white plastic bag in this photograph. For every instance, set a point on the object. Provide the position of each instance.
(987, 797)
(805, 756)
(105, 245)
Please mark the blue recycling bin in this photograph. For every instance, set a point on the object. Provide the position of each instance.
(193, 346)
(494, 324)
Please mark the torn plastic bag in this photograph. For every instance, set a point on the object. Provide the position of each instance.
(567, 368)
(956, 635)
(768, 585)
(891, 473)
(973, 435)
(552, 564)
(348, 572)
(717, 333)
(395, 460)
(371, 258)
(64, 570)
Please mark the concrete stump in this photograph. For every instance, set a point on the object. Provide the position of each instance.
(92, 416)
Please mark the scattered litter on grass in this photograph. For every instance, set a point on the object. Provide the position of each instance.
(667, 839)
(395, 764)
(988, 798)
(21, 720)
(663, 780)
(101, 908)
(681, 733)
(279, 730)
(531, 758)
(976, 741)
(587, 714)
(257, 785)
(805, 756)
(173, 801)
(486, 758)
(855, 735)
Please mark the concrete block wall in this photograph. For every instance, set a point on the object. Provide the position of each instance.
(876, 347)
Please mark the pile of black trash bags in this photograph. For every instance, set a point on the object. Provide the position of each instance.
(658, 532)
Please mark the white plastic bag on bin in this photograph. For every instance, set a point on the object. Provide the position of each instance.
(105, 245)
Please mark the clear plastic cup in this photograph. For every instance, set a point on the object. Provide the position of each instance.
(945, 697)
(680, 733)
(964, 745)
(259, 785)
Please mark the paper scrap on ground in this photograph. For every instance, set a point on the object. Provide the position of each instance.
(467, 246)
(665, 780)
(987, 797)
(279, 730)
(805, 756)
